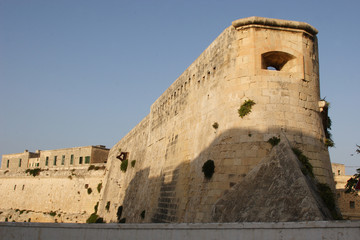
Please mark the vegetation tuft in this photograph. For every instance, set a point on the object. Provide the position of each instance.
(124, 165)
(119, 213)
(107, 207)
(327, 196)
(89, 191)
(208, 168)
(133, 163)
(245, 108)
(94, 218)
(274, 141)
(93, 167)
(215, 125)
(142, 214)
(34, 172)
(352, 182)
(53, 214)
(307, 168)
(99, 186)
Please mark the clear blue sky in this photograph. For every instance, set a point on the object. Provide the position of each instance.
(78, 73)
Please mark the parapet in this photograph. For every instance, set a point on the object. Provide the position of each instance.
(272, 22)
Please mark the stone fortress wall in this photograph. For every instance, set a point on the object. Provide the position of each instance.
(66, 189)
(272, 62)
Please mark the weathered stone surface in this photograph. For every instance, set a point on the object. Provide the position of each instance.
(275, 190)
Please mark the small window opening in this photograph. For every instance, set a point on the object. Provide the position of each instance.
(23, 187)
(123, 156)
(276, 60)
(352, 204)
(15, 187)
(339, 172)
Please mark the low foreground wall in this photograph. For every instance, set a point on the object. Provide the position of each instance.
(289, 230)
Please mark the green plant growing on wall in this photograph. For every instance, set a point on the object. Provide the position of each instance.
(53, 214)
(208, 168)
(245, 108)
(34, 172)
(124, 165)
(99, 186)
(94, 218)
(326, 120)
(307, 168)
(274, 141)
(328, 197)
(142, 214)
(215, 125)
(107, 207)
(89, 191)
(329, 142)
(133, 163)
(119, 213)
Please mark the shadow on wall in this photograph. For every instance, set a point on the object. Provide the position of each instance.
(184, 194)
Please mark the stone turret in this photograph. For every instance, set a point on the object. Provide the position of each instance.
(269, 62)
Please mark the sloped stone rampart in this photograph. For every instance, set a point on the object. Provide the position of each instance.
(275, 190)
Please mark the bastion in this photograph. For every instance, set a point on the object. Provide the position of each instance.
(270, 65)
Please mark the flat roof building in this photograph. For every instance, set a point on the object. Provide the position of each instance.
(58, 158)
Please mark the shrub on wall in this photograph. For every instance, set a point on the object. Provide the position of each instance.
(133, 163)
(307, 167)
(89, 190)
(99, 186)
(124, 165)
(34, 172)
(245, 108)
(274, 141)
(53, 214)
(119, 213)
(142, 215)
(107, 207)
(208, 168)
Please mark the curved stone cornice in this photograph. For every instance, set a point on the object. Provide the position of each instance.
(272, 22)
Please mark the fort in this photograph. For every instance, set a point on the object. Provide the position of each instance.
(257, 83)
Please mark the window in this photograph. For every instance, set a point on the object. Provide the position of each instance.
(339, 172)
(72, 159)
(80, 160)
(87, 159)
(352, 204)
(63, 160)
(20, 162)
(277, 61)
(55, 158)
(47, 161)
(8, 163)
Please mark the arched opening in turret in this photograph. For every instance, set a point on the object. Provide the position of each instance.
(276, 60)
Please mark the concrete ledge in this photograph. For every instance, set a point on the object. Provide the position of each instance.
(282, 230)
(275, 23)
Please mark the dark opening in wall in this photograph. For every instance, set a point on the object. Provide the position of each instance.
(276, 60)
